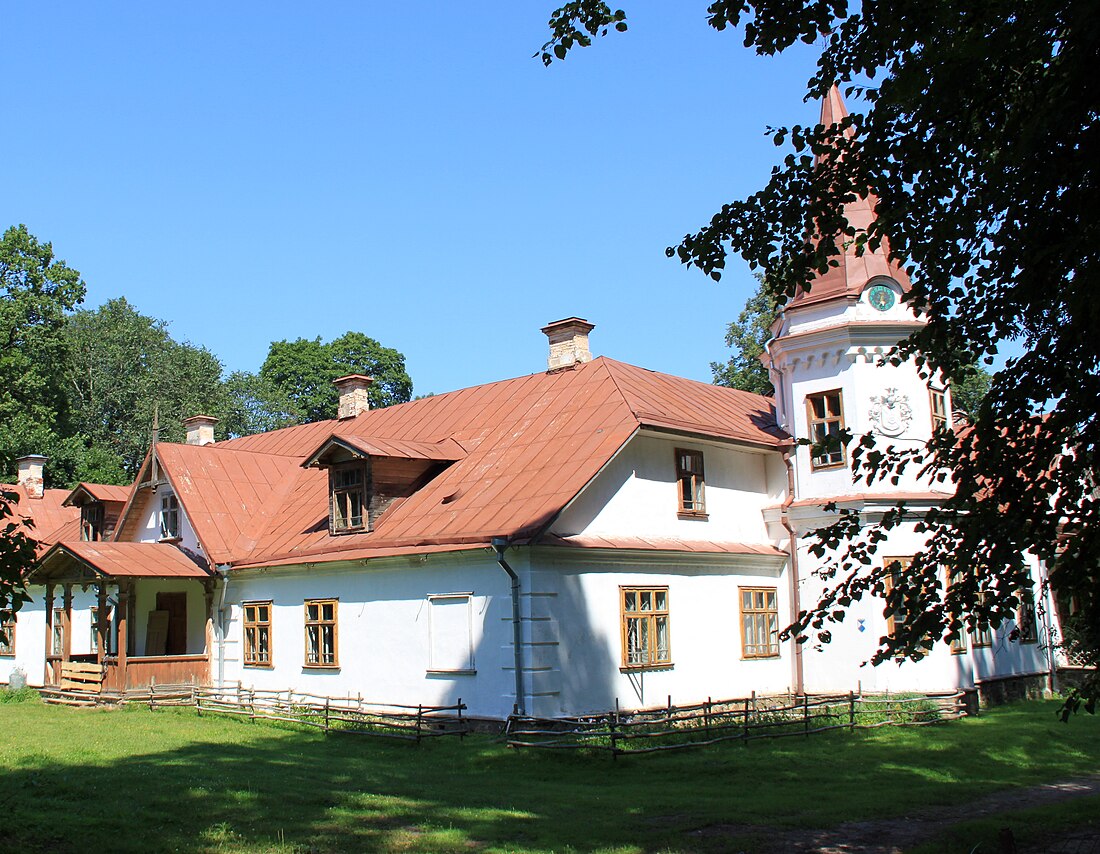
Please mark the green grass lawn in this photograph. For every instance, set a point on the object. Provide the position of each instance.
(135, 780)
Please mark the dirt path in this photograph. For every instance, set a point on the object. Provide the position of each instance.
(896, 835)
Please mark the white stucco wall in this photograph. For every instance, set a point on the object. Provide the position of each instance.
(384, 631)
(637, 493)
(580, 604)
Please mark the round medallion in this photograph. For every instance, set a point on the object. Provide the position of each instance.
(881, 297)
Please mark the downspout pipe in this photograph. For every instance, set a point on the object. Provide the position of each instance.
(792, 547)
(499, 545)
(223, 574)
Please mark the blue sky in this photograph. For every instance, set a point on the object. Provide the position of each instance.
(250, 172)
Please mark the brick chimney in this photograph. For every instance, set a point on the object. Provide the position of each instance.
(30, 474)
(568, 342)
(353, 395)
(200, 429)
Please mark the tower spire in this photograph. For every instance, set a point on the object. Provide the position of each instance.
(847, 280)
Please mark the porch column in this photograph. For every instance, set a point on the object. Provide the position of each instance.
(208, 591)
(122, 613)
(49, 634)
(101, 622)
(67, 624)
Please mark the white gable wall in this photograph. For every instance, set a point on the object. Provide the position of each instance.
(637, 494)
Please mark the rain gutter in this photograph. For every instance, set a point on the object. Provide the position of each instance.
(499, 545)
(792, 549)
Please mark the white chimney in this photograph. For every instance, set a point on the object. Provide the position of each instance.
(353, 395)
(200, 429)
(30, 474)
(568, 342)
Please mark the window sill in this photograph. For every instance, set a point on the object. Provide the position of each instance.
(7, 655)
(692, 514)
(452, 672)
(771, 656)
(171, 541)
(258, 666)
(828, 466)
(320, 667)
(636, 668)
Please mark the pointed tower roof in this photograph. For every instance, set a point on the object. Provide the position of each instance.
(852, 273)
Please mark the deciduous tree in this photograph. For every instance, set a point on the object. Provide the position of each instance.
(303, 371)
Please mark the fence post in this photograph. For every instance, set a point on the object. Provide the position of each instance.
(326, 715)
(252, 703)
(668, 714)
(706, 718)
(614, 731)
(151, 704)
(745, 723)
(806, 712)
(851, 711)
(461, 726)
(419, 721)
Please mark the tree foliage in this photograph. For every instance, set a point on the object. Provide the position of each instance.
(37, 291)
(302, 371)
(978, 138)
(17, 550)
(747, 337)
(122, 369)
(255, 405)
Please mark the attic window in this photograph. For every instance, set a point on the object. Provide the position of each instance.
(91, 522)
(348, 490)
(169, 517)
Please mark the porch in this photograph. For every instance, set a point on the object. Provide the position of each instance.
(152, 617)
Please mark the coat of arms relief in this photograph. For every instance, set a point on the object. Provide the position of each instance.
(891, 412)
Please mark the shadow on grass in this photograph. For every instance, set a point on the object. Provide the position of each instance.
(140, 781)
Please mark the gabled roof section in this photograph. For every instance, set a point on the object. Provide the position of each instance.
(119, 560)
(529, 446)
(106, 493)
(446, 450)
(48, 514)
(665, 402)
(848, 279)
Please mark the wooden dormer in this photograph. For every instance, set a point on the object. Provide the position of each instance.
(366, 476)
(100, 507)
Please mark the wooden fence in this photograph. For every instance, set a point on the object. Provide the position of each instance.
(744, 719)
(351, 715)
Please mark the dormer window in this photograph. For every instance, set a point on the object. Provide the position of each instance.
(91, 522)
(169, 517)
(349, 497)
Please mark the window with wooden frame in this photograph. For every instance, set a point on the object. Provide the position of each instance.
(57, 632)
(958, 644)
(91, 522)
(982, 636)
(347, 484)
(321, 636)
(1027, 627)
(825, 420)
(895, 566)
(689, 474)
(109, 636)
(7, 636)
(644, 614)
(169, 517)
(759, 622)
(257, 634)
(938, 400)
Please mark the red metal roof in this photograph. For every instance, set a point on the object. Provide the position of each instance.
(48, 514)
(521, 449)
(101, 492)
(127, 560)
(664, 544)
